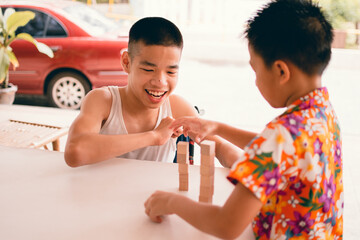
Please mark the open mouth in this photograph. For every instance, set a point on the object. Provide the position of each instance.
(155, 94)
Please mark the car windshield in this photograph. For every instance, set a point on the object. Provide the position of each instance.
(91, 20)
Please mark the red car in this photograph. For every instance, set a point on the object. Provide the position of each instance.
(87, 49)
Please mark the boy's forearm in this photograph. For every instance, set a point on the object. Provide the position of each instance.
(226, 152)
(235, 135)
(91, 148)
(204, 217)
(228, 221)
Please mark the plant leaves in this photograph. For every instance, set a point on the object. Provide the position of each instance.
(12, 58)
(7, 13)
(4, 64)
(1, 20)
(18, 19)
(43, 48)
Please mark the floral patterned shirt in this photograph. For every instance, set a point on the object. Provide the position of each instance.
(295, 168)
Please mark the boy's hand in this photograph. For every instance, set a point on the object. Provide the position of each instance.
(163, 132)
(177, 132)
(157, 205)
(196, 128)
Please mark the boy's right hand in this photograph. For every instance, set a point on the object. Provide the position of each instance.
(196, 128)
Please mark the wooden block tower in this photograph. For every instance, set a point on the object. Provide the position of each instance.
(207, 170)
(183, 161)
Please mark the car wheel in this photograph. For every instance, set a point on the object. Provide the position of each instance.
(67, 90)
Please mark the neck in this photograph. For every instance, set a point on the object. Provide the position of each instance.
(132, 106)
(303, 85)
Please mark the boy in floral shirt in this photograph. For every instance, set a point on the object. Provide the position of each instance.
(289, 179)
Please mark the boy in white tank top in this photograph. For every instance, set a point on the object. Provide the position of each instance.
(133, 121)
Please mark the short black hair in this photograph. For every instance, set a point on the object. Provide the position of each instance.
(154, 31)
(293, 30)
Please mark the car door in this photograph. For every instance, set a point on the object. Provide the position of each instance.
(33, 65)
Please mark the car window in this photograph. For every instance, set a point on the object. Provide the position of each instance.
(41, 26)
(36, 26)
(54, 29)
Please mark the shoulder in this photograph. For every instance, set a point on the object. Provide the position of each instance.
(180, 107)
(98, 101)
(98, 97)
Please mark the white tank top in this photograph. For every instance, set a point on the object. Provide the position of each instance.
(115, 125)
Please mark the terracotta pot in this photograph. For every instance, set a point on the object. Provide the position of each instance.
(7, 95)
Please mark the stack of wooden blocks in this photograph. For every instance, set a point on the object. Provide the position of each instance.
(207, 170)
(183, 165)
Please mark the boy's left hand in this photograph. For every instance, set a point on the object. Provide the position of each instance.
(195, 127)
(157, 205)
(177, 132)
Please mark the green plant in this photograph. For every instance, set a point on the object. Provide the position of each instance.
(9, 22)
(341, 12)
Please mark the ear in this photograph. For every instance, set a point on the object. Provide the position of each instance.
(126, 61)
(282, 70)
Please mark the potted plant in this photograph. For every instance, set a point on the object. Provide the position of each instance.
(9, 22)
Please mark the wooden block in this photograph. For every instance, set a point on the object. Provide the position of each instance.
(207, 160)
(184, 186)
(205, 199)
(182, 158)
(183, 147)
(207, 147)
(183, 182)
(183, 168)
(207, 170)
(207, 180)
(183, 176)
(206, 191)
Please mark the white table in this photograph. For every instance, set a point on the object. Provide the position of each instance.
(42, 115)
(56, 123)
(42, 198)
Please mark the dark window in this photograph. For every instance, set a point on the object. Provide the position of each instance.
(41, 26)
(54, 29)
(35, 27)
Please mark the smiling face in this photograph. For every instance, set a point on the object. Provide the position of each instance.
(153, 73)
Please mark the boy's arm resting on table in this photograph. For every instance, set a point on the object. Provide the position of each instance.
(227, 222)
(86, 146)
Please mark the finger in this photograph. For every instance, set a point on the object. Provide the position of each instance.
(175, 135)
(156, 219)
(159, 219)
(200, 137)
(186, 131)
(175, 126)
(178, 122)
(180, 129)
(147, 211)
